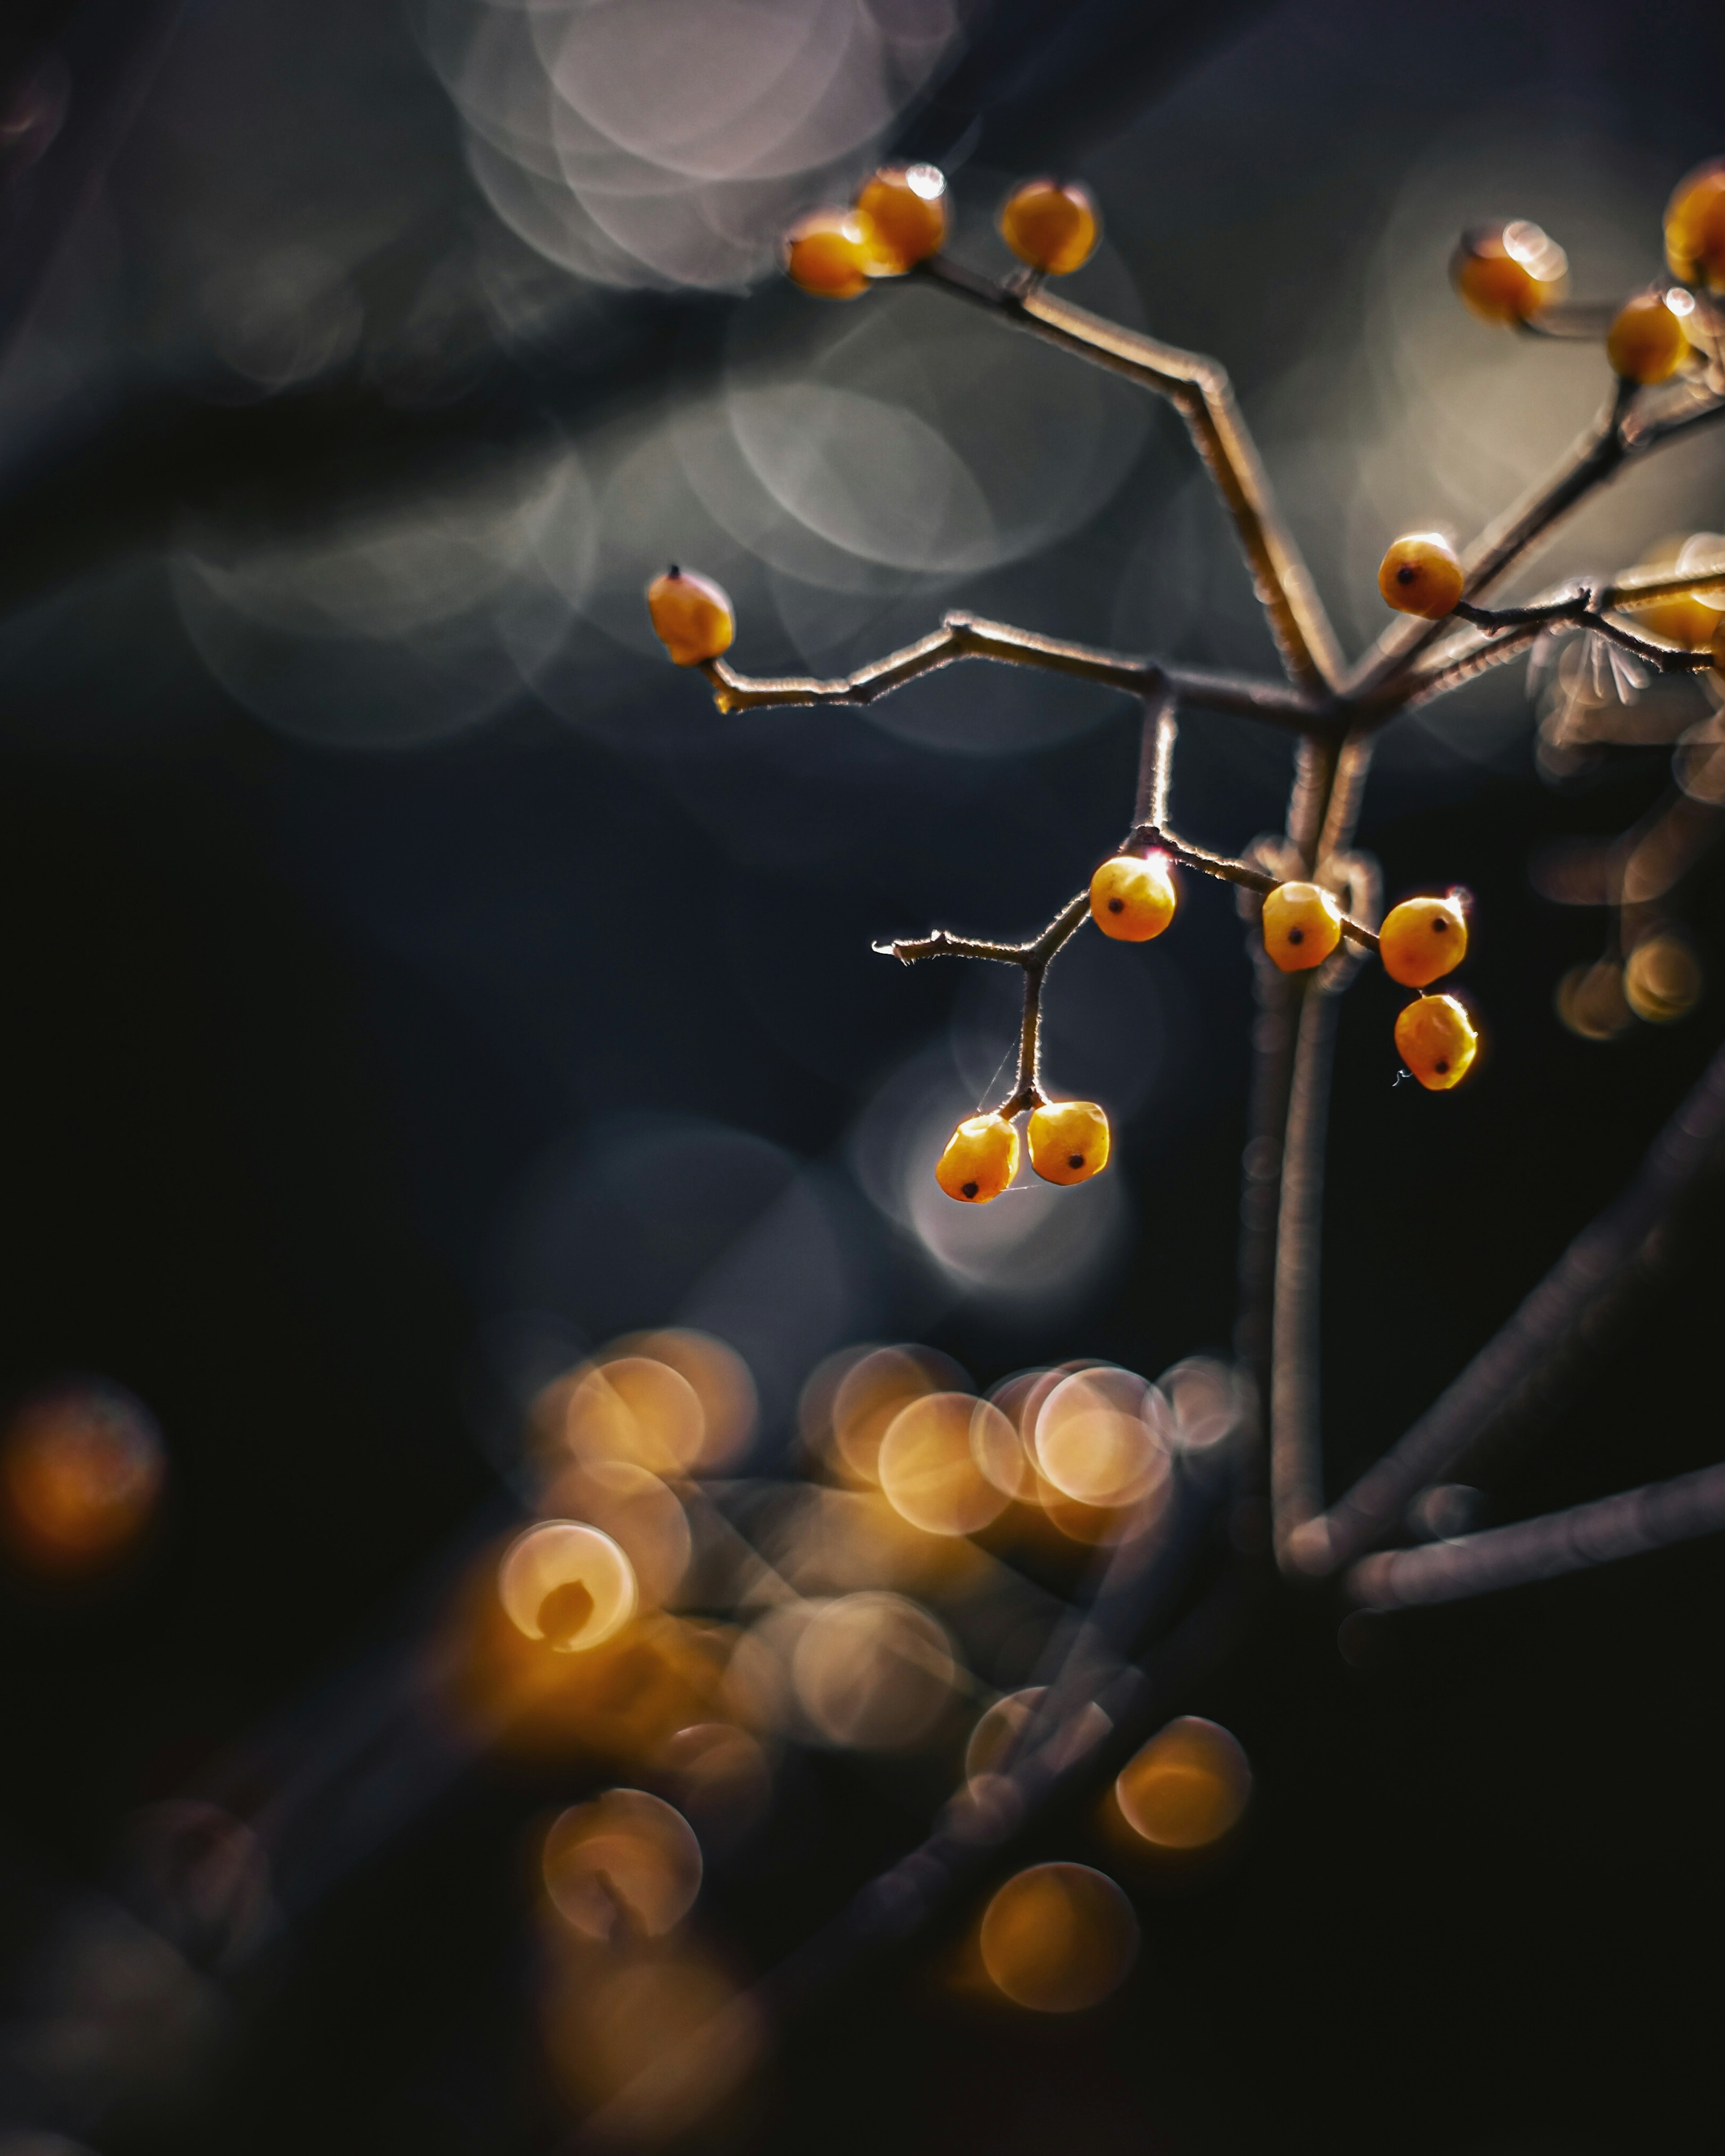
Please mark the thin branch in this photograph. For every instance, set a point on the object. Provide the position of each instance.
(1185, 855)
(1542, 1328)
(963, 636)
(1200, 391)
(1603, 1532)
(1589, 459)
(1156, 761)
(1578, 611)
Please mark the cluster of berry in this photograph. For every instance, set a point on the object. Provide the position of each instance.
(899, 219)
(1132, 899)
(1512, 273)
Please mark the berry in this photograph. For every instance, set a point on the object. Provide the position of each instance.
(691, 616)
(1437, 1041)
(1687, 621)
(1069, 1141)
(1648, 341)
(1695, 226)
(1507, 273)
(1303, 925)
(1421, 575)
(1131, 899)
(1422, 939)
(829, 252)
(981, 1158)
(1054, 227)
(906, 207)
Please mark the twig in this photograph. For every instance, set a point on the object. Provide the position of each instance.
(1185, 855)
(1156, 761)
(1603, 1532)
(963, 636)
(1542, 1326)
(1578, 611)
(1200, 391)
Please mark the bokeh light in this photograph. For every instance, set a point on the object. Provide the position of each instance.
(721, 1777)
(1662, 979)
(82, 1468)
(998, 1733)
(567, 1583)
(1100, 1437)
(637, 1409)
(1059, 1938)
(642, 1515)
(627, 1862)
(873, 1671)
(872, 1390)
(948, 1463)
(1187, 1787)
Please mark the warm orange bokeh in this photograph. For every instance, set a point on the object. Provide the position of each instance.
(81, 1473)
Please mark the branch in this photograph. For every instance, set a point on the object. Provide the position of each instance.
(1200, 391)
(963, 636)
(1035, 956)
(1652, 1518)
(1541, 1330)
(1186, 855)
(1578, 611)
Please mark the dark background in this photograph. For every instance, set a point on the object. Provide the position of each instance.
(301, 1027)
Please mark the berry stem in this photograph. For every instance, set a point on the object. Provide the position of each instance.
(1579, 611)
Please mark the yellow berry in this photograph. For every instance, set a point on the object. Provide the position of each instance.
(1648, 341)
(1131, 899)
(829, 252)
(981, 1158)
(1507, 273)
(1688, 620)
(1422, 939)
(1069, 1141)
(1421, 575)
(906, 207)
(1303, 925)
(691, 616)
(1695, 226)
(1052, 227)
(1437, 1041)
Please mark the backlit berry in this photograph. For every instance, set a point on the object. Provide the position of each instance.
(1648, 341)
(981, 1158)
(1695, 226)
(1507, 273)
(1303, 925)
(1437, 1041)
(906, 207)
(691, 616)
(1421, 575)
(1687, 620)
(1422, 939)
(1052, 227)
(1131, 899)
(829, 253)
(1069, 1141)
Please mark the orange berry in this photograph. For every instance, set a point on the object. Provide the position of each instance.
(907, 206)
(1053, 227)
(1303, 925)
(1437, 1041)
(1422, 939)
(1685, 621)
(1069, 1141)
(1421, 575)
(1695, 226)
(981, 1158)
(829, 252)
(691, 616)
(1648, 341)
(1507, 273)
(1131, 899)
